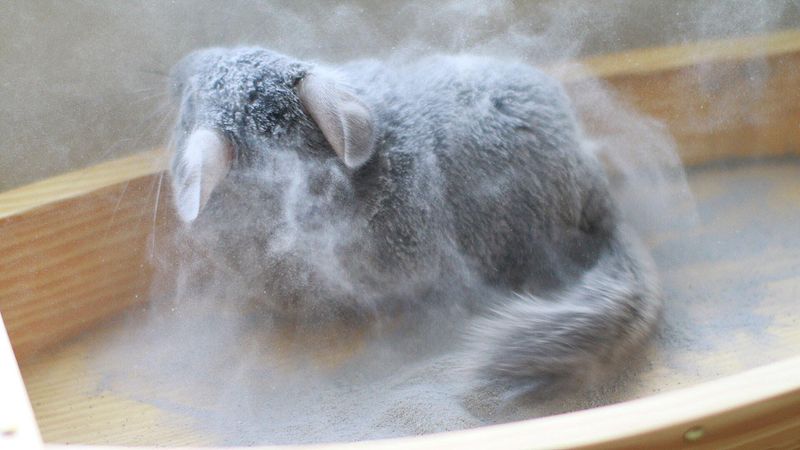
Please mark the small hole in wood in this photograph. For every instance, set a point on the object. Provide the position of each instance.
(694, 434)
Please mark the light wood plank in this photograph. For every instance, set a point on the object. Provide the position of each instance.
(656, 60)
(81, 182)
(720, 99)
(18, 427)
(69, 259)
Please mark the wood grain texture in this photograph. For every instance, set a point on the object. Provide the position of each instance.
(74, 249)
(737, 97)
(81, 182)
(18, 428)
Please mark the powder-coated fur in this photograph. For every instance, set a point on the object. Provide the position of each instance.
(477, 186)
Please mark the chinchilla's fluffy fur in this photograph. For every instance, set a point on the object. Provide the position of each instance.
(377, 187)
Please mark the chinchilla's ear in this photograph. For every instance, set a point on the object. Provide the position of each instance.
(343, 118)
(196, 170)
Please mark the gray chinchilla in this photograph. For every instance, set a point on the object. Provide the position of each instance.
(363, 189)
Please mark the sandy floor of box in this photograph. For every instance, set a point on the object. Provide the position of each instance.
(732, 285)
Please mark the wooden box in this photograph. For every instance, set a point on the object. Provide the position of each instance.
(75, 252)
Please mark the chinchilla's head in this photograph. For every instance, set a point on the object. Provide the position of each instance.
(241, 108)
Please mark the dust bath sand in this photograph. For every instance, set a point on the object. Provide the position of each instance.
(728, 284)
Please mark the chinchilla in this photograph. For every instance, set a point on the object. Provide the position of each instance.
(367, 188)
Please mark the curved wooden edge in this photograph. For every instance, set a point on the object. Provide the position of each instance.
(81, 182)
(759, 408)
(18, 427)
(647, 61)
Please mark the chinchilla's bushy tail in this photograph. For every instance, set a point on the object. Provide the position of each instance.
(541, 346)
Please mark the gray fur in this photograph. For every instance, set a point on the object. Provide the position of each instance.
(477, 186)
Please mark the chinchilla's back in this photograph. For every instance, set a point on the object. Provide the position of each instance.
(530, 211)
(501, 139)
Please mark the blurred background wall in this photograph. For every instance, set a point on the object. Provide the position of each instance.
(82, 81)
